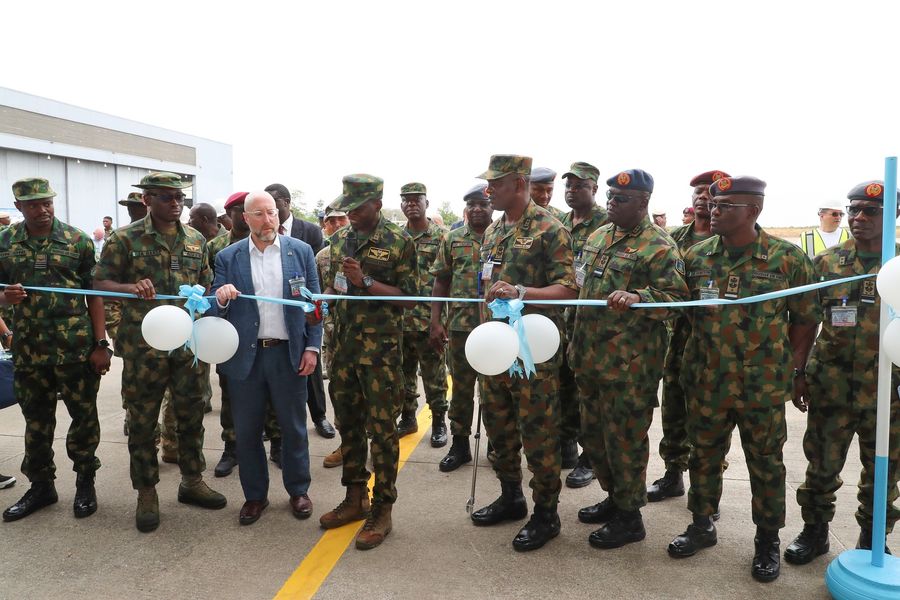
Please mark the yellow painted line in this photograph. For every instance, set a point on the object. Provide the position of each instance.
(312, 572)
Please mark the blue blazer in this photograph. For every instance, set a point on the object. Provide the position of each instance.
(233, 266)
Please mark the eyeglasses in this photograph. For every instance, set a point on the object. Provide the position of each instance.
(167, 197)
(869, 211)
(269, 212)
(722, 206)
(832, 213)
(619, 198)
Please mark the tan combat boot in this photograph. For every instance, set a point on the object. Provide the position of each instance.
(377, 527)
(146, 517)
(335, 459)
(193, 490)
(354, 507)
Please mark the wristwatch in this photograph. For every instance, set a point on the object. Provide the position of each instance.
(367, 281)
(104, 343)
(521, 289)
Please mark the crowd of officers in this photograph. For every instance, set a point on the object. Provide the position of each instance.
(722, 366)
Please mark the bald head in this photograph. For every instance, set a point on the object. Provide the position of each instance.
(258, 201)
(203, 218)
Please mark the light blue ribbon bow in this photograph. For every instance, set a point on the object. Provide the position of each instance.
(501, 308)
(195, 300)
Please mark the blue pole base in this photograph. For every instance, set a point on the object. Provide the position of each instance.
(851, 576)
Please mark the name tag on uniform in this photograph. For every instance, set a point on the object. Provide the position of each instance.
(843, 316)
(40, 261)
(174, 263)
(487, 269)
(340, 283)
(709, 293)
(580, 273)
(296, 283)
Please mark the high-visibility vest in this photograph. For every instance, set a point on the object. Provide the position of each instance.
(813, 244)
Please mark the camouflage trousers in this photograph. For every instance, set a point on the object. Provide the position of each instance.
(327, 354)
(36, 389)
(674, 448)
(569, 405)
(524, 414)
(615, 420)
(365, 392)
(462, 399)
(168, 427)
(417, 351)
(763, 433)
(144, 382)
(831, 423)
(113, 316)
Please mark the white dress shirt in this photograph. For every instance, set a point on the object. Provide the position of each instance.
(268, 280)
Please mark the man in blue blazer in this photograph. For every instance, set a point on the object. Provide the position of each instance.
(278, 349)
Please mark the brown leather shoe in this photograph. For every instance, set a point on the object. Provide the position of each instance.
(354, 507)
(376, 528)
(301, 506)
(251, 510)
(335, 459)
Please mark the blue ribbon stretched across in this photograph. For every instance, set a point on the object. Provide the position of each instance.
(501, 308)
(306, 306)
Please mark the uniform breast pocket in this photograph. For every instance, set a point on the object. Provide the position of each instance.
(766, 285)
(620, 273)
(192, 261)
(461, 251)
(150, 264)
(379, 270)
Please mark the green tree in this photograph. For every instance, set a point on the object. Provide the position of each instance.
(447, 214)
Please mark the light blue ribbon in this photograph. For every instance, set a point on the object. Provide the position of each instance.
(502, 308)
(196, 301)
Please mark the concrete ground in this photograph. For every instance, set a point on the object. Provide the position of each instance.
(433, 552)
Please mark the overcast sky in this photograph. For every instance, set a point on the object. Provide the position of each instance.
(801, 94)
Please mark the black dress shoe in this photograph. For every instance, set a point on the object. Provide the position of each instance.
(459, 454)
(275, 451)
(324, 428)
(626, 527)
(697, 537)
(510, 506)
(812, 542)
(670, 485)
(251, 511)
(438, 430)
(598, 513)
(39, 495)
(569, 452)
(228, 461)
(542, 527)
(582, 474)
(767, 557)
(85, 503)
(865, 541)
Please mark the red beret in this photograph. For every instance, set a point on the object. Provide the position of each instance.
(235, 198)
(708, 178)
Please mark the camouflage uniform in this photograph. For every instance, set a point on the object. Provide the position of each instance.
(458, 261)
(569, 407)
(673, 447)
(737, 362)
(557, 213)
(618, 357)
(365, 381)
(134, 252)
(416, 326)
(842, 386)
(534, 252)
(53, 342)
(323, 264)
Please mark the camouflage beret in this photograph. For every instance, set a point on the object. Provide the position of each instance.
(632, 179)
(236, 198)
(583, 170)
(413, 188)
(542, 175)
(163, 179)
(502, 165)
(869, 190)
(708, 178)
(725, 186)
(133, 198)
(32, 188)
(358, 189)
(477, 193)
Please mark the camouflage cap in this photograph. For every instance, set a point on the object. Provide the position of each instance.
(32, 188)
(708, 178)
(133, 198)
(502, 165)
(745, 184)
(358, 189)
(542, 175)
(163, 179)
(330, 212)
(413, 188)
(869, 190)
(583, 170)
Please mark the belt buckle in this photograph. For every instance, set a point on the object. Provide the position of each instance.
(269, 342)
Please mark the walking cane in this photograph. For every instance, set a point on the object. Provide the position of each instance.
(471, 503)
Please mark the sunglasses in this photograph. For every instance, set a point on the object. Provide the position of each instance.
(869, 211)
(619, 198)
(577, 186)
(167, 197)
(832, 213)
(722, 206)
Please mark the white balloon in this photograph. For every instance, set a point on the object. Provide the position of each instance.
(166, 327)
(215, 340)
(492, 348)
(542, 335)
(888, 282)
(890, 343)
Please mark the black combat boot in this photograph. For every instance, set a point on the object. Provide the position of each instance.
(228, 461)
(598, 513)
(85, 503)
(542, 527)
(625, 527)
(865, 540)
(438, 430)
(812, 542)
(458, 455)
(39, 495)
(407, 424)
(569, 452)
(670, 485)
(767, 557)
(582, 474)
(510, 506)
(700, 534)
